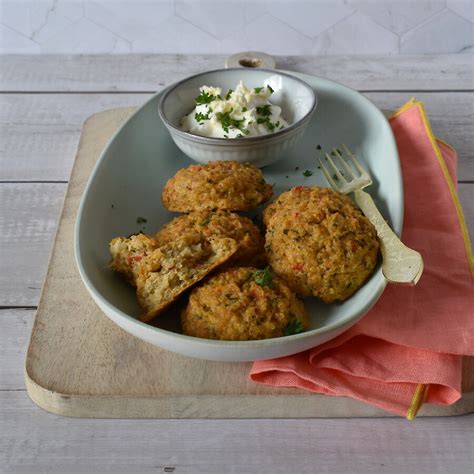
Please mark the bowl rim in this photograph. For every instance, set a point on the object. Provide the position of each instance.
(216, 141)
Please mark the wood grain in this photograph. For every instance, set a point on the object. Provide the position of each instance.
(39, 132)
(28, 222)
(32, 441)
(15, 328)
(152, 72)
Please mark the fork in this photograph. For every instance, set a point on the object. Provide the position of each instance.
(401, 264)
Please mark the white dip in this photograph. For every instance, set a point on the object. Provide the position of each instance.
(241, 113)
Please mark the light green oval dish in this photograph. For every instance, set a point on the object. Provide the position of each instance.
(141, 157)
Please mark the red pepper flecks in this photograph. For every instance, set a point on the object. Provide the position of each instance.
(134, 258)
(298, 267)
(297, 189)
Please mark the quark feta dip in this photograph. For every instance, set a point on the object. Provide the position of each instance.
(241, 113)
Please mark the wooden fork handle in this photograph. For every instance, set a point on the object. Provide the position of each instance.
(401, 264)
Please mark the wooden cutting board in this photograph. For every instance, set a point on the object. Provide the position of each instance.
(81, 364)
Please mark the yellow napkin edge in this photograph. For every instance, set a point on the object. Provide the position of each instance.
(434, 143)
(421, 390)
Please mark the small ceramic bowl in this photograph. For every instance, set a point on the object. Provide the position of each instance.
(295, 97)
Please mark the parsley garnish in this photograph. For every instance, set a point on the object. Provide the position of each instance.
(227, 121)
(258, 90)
(244, 109)
(141, 220)
(318, 147)
(308, 173)
(205, 222)
(294, 327)
(200, 117)
(263, 277)
(335, 177)
(265, 110)
(270, 89)
(204, 98)
(229, 93)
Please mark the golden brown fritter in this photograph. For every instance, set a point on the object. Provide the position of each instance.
(226, 185)
(173, 268)
(320, 242)
(128, 253)
(250, 250)
(242, 304)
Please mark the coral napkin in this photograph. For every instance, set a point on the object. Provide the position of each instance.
(407, 350)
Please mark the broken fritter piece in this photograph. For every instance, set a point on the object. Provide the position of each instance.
(128, 254)
(173, 268)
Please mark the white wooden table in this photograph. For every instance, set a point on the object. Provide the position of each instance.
(44, 100)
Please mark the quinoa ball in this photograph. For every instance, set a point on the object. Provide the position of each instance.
(320, 243)
(242, 304)
(226, 185)
(250, 250)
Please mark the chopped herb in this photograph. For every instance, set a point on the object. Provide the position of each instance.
(270, 89)
(319, 167)
(335, 177)
(282, 127)
(264, 110)
(205, 222)
(318, 147)
(239, 136)
(267, 123)
(135, 233)
(286, 176)
(258, 89)
(308, 173)
(229, 93)
(244, 109)
(277, 124)
(205, 98)
(332, 153)
(226, 136)
(339, 151)
(141, 220)
(200, 117)
(297, 168)
(227, 121)
(294, 327)
(263, 277)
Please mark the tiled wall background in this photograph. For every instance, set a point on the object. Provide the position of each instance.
(228, 26)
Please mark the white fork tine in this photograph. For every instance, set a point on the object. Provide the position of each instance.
(329, 178)
(356, 163)
(336, 169)
(344, 164)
